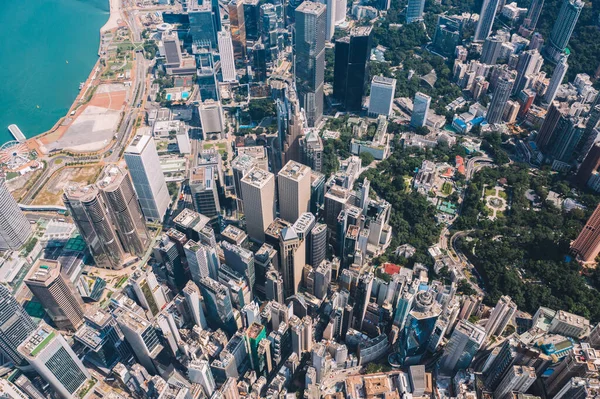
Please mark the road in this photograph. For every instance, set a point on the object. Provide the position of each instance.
(52, 165)
(476, 163)
(461, 260)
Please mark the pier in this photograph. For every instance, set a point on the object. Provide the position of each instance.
(17, 133)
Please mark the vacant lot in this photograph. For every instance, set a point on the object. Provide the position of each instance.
(51, 193)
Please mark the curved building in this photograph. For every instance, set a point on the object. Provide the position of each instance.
(14, 227)
(563, 28)
(419, 326)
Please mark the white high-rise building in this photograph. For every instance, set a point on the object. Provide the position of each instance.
(14, 226)
(51, 356)
(197, 257)
(420, 110)
(414, 11)
(340, 11)
(331, 17)
(293, 186)
(227, 59)
(258, 189)
(556, 80)
(199, 373)
(147, 176)
(149, 291)
(486, 19)
(382, 95)
(500, 317)
(465, 341)
(211, 117)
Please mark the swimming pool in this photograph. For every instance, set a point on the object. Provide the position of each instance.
(169, 97)
(185, 95)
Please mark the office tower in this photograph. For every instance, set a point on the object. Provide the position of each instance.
(274, 286)
(350, 71)
(211, 118)
(311, 150)
(197, 257)
(240, 166)
(202, 25)
(465, 341)
(271, 32)
(293, 259)
(258, 189)
(340, 11)
(361, 299)
(227, 58)
(420, 109)
(203, 187)
(501, 96)
(93, 222)
(241, 260)
(322, 279)
(238, 28)
(579, 388)
(448, 35)
(581, 362)
(563, 28)
(199, 373)
(587, 244)
(254, 334)
(500, 317)
(530, 63)
(491, 49)
(141, 336)
(560, 70)
(206, 76)
(382, 95)
(217, 300)
(15, 229)
(310, 58)
(148, 290)
(293, 186)
(330, 26)
(486, 19)
(419, 326)
(318, 245)
(252, 19)
(193, 299)
(556, 111)
(517, 379)
(124, 210)
(565, 138)
(15, 326)
(103, 340)
(589, 166)
(51, 356)
(56, 294)
(414, 11)
(533, 14)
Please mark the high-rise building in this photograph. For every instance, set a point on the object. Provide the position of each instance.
(252, 19)
(274, 286)
(199, 373)
(93, 222)
(147, 176)
(322, 279)
(238, 28)
(15, 326)
(149, 291)
(258, 189)
(56, 294)
(310, 58)
(311, 149)
(414, 11)
(579, 388)
(590, 165)
(533, 14)
(565, 138)
(51, 356)
(293, 259)
(11, 391)
(382, 95)
(227, 58)
(193, 299)
(491, 49)
(211, 117)
(420, 110)
(581, 361)
(15, 229)
(254, 334)
(419, 326)
(486, 19)
(293, 186)
(500, 317)
(530, 62)
(202, 25)
(241, 260)
(501, 95)
(517, 379)
(448, 34)
(350, 71)
(124, 210)
(203, 186)
(217, 300)
(564, 26)
(557, 78)
(206, 77)
(556, 111)
(465, 341)
(318, 245)
(330, 27)
(197, 256)
(587, 244)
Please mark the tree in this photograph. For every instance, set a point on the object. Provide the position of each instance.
(366, 158)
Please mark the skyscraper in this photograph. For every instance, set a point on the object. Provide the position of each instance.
(203, 186)
(124, 210)
(252, 19)
(590, 164)
(148, 290)
(202, 24)
(293, 184)
(517, 379)
(587, 244)
(197, 257)
(199, 373)
(14, 227)
(486, 19)
(227, 58)
(501, 96)
(330, 27)
(56, 294)
(420, 110)
(530, 63)
(310, 58)
(350, 72)
(500, 317)
(49, 354)
(293, 259)
(318, 245)
(15, 326)
(465, 341)
(414, 11)
(382, 95)
(565, 138)
(560, 70)
(533, 14)
(217, 300)
(238, 28)
(258, 188)
(564, 26)
(491, 49)
(147, 176)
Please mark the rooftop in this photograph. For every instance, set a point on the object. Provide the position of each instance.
(294, 171)
(254, 330)
(257, 177)
(111, 179)
(38, 340)
(138, 144)
(43, 270)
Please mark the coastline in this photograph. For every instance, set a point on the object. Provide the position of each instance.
(111, 24)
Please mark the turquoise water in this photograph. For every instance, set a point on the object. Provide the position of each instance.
(38, 38)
